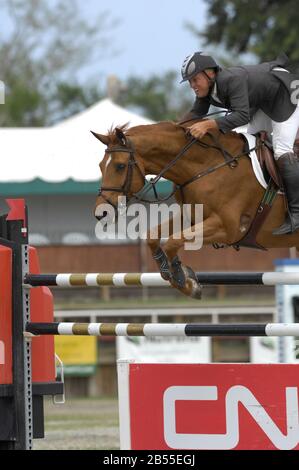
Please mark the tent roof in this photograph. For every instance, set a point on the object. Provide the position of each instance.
(101, 116)
(62, 153)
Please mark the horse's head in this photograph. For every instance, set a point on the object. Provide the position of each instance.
(122, 170)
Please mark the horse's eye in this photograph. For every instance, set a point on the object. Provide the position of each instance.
(120, 166)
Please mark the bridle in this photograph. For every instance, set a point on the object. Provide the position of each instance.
(125, 189)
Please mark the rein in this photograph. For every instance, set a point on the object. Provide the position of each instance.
(230, 160)
(125, 189)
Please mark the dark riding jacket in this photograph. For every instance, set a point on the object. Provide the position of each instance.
(243, 90)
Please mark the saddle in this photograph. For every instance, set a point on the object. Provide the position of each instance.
(268, 165)
(265, 156)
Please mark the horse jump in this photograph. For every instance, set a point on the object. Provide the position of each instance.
(17, 390)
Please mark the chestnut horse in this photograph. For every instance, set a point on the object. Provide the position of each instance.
(230, 193)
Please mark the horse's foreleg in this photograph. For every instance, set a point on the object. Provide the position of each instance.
(154, 236)
(183, 277)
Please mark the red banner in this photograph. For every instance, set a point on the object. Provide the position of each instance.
(214, 406)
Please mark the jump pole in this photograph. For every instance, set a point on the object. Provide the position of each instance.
(162, 329)
(155, 280)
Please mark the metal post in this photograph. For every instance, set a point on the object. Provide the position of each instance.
(22, 380)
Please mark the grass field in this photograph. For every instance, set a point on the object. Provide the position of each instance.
(80, 424)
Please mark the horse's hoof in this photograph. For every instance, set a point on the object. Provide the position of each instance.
(190, 273)
(184, 278)
(196, 289)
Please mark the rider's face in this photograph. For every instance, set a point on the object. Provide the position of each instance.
(200, 85)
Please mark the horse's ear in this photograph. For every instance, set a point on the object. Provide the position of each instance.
(101, 137)
(120, 136)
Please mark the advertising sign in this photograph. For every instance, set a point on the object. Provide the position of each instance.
(164, 349)
(210, 406)
(78, 354)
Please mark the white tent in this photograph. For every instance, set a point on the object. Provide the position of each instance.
(101, 116)
(64, 151)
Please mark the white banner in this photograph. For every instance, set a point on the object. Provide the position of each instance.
(167, 349)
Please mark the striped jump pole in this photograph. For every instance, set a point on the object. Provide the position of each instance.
(155, 279)
(163, 329)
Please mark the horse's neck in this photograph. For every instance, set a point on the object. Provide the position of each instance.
(159, 144)
(157, 155)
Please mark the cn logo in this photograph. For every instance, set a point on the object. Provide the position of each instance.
(235, 395)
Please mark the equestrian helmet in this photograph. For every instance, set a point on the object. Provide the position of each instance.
(195, 63)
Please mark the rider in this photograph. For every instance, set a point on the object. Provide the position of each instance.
(262, 95)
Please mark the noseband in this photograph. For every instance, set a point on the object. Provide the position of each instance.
(125, 189)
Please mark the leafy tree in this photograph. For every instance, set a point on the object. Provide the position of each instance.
(72, 99)
(43, 48)
(262, 27)
(157, 97)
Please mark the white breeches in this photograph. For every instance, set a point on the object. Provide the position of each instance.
(283, 134)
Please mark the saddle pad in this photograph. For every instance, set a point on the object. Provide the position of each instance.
(251, 140)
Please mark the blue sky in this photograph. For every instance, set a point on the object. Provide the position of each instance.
(151, 37)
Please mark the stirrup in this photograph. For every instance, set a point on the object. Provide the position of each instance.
(287, 228)
(284, 229)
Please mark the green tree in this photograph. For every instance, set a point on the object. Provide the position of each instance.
(72, 99)
(157, 97)
(262, 27)
(43, 50)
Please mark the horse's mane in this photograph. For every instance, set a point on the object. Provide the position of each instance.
(145, 128)
(166, 126)
(123, 127)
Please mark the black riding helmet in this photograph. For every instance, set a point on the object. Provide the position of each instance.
(195, 63)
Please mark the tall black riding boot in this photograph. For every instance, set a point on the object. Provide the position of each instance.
(288, 165)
